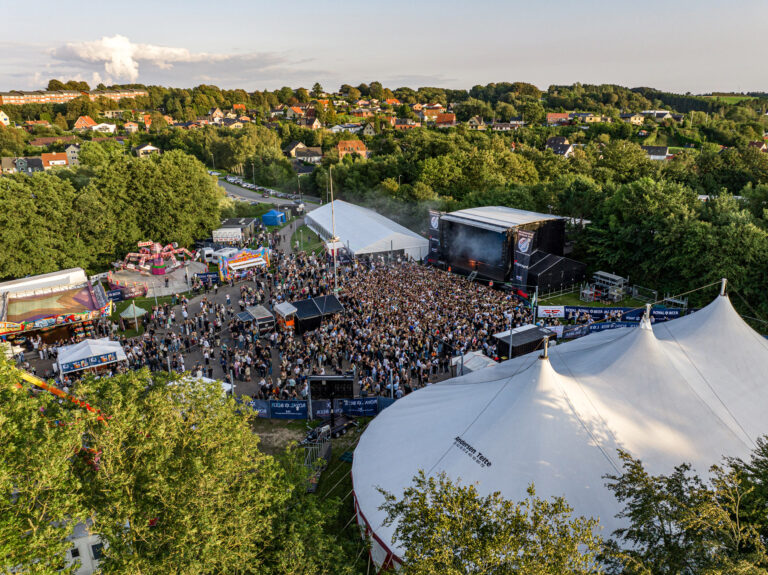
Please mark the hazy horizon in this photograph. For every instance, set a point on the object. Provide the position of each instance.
(698, 47)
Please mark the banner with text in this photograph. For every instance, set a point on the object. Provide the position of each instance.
(523, 251)
(288, 409)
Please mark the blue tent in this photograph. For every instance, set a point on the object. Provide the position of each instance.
(273, 218)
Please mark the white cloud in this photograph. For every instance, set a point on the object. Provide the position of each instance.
(121, 57)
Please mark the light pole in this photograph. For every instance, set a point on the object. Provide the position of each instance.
(253, 173)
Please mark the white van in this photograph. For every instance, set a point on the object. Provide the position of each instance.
(223, 254)
(206, 255)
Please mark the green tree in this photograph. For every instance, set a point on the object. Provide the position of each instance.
(182, 486)
(54, 85)
(317, 90)
(37, 508)
(449, 529)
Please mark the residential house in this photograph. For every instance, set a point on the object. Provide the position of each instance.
(54, 160)
(392, 101)
(760, 145)
(7, 165)
(51, 140)
(634, 119)
(240, 107)
(215, 115)
(29, 165)
(362, 113)
(429, 115)
(362, 103)
(476, 123)
(656, 152)
(232, 124)
(347, 147)
(131, 127)
(436, 106)
(294, 112)
(244, 118)
(445, 120)
(658, 115)
(84, 123)
(513, 124)
(113, 114)
(29, 125)
(369, 130)
(417, 107)
(4, 119)
(349, 128)
(311, 123)
(310, 155)
(73, 154)
(560, 146)
(557, 118)
(145, 150)
(104, 128)
(291, 149)
(406, 124)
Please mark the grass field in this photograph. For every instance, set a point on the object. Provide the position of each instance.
(573, 299)
(309, 240)
(145, 303)
(731, 99)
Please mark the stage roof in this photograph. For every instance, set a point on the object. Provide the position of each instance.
(49, 304)
(496, 218)
(364, 231)
(317, 307)
(688, 390)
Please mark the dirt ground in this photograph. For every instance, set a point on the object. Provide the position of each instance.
(276, 434)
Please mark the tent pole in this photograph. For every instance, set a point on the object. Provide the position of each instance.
(546, 348)
(722, 286)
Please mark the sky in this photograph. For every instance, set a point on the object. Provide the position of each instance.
(693, 46)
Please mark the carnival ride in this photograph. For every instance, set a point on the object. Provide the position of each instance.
(155, 259)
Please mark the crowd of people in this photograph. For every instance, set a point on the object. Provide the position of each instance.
(401, 324)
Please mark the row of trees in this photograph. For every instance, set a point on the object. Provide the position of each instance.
(93, 215)
(173, 481)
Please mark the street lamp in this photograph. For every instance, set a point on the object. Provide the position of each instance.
(213, 161)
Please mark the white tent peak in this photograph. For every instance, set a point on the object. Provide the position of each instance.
(689, 390)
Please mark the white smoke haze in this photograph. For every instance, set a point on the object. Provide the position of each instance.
(122, 58)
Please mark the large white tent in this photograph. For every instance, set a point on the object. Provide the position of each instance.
(689, 390)
(364, 231)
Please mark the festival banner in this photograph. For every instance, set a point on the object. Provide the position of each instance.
(551, 311)
(115, 295)
(288, 409)
(523, 250)
(360, 407)
(625, 313)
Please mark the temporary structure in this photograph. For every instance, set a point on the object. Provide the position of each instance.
(89, 353)
(364, 231)
(688, 390)
(471, 361)
(273, 218)
(132, 311)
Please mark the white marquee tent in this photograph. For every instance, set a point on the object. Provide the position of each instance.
(364, 231)
(688, 390)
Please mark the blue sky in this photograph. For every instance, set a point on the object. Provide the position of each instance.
(687, 45)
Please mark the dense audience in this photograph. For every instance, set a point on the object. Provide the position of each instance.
(402, 323)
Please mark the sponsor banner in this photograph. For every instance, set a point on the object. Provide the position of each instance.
(360, 407)
(115, 295)
(260, 406)
(208, 277)
(570, 332)
(434, 220)
(288, 409)
(551, 311)
(385, 402)
(626, 313)
(10, 327)
(321, 408)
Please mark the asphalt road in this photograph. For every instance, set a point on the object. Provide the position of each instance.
(246, 195)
